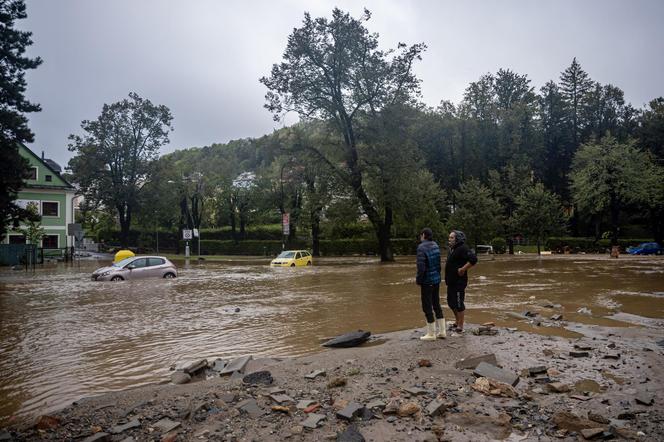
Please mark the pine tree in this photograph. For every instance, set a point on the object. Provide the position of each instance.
(13, 105)
(574, 87)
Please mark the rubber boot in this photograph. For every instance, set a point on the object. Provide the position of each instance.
(431, 332)
(440, 325)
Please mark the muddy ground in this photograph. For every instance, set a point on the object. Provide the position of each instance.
(569, 398)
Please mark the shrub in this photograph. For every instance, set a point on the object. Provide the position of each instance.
(499, 244)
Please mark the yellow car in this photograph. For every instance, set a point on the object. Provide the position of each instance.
(293, 258)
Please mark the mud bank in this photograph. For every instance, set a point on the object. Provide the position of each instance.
(606, 384)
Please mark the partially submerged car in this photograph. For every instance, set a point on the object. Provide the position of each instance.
(646, 248)
(137, 267)
(293, 258)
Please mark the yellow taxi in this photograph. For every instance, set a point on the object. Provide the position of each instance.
(293, 258)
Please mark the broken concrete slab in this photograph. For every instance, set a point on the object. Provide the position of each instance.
(301, 405)
(314, 374)
(135, 423)
(228, 397)
(165, 425)
(579, 354)
(416, 391)
(351, 410)
(238, 364)
(193, 367)
(376, 405)
(351, 339)
(534, 371)
(313, 420)
(250, 406)
(218, 364)
(437, 407)
(592, 433)
(263, 377)
(498, 374)
(473, 361)
(645, 399)
(558, 387)
(281, 398)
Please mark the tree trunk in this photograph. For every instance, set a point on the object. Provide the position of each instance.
(124, 216)
(510, 245)
(539, 253)
(615, 214)
(384, 237)
(657, 225)
(315, 231)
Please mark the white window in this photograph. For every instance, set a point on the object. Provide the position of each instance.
(32, 173)
(50, 208)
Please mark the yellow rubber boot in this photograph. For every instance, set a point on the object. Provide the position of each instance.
(431, 332)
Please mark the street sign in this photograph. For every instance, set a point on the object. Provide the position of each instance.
(187, 234)
(72, 228)
(79, 234)
(195, 233)
(285, 223)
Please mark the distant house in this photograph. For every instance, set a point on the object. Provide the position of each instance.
(51, 195)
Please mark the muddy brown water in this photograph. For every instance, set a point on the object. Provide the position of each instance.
(63, 337)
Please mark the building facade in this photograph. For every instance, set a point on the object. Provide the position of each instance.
(52, 196)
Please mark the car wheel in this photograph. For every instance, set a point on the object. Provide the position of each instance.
(292, 265)
(117, 278)
(169, 276)
(308, 263)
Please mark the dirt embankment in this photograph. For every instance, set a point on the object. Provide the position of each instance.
(604, 385)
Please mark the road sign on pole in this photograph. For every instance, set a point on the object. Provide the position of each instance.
(187, 234)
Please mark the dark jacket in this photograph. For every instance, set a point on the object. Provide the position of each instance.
(428, 263)
(458, 256)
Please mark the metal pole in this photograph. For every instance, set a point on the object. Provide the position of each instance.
(199, 241)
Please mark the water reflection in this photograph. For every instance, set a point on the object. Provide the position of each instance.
(64, 336)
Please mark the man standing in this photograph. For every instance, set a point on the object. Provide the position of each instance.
(428, 278)
(459, 259)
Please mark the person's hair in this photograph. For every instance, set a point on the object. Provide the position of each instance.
(428, 233)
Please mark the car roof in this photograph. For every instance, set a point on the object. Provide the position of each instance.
(295, 251)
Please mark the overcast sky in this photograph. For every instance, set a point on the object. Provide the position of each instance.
(203, 58)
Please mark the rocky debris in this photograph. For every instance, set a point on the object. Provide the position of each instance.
(529, 314)
(166, 425)
(218, 365)
(313, 420)
(263, 377)
(228, 398)
(250, 407)
(281, 398)
(135, 423)
(437, 407)
(5, 436)
(350, 434)
(534, 371)
(497, 374)
(558, 387)
(238, 364)
(98, 437)
(592, 433)
(312, 408)
(579, 397)
(304, 403)
(180, 377)
(424, 363)
(614, 356)
(583, 347)
(351, 339)
(584, 311)
(351, 410)
(376, 405)
(485, 331)
(281, 409)
(493, 388)
(336, 382)
(314, 374)
(196, 366)
(416, 391)
(473, 361)
(495, 427)
(557, 317)
(408, 409)
(645, 399)
(579, 354)
(595, 417)
(48, 422)
(570, 422)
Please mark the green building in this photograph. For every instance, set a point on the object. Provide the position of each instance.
(52, 196)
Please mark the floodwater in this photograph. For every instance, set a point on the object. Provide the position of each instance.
(63, 337)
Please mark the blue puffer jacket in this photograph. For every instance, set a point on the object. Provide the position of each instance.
(428, 263)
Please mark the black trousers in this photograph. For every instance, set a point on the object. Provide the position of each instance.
(431, 301)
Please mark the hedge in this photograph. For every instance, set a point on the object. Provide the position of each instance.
(339, 247)
(589, 245)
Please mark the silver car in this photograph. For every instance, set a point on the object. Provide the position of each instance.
(137, 267)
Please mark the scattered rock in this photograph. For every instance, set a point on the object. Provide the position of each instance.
(485, 331)
(570, 422)
(48, 422)
(533, 371)
(408, 409)
(229, 398)
(598, 418)
(258, 377)
(180, 377)
(473, 361)
(314, 374)
(166, 425)
(592, 433)
(491, 387)
(304, 403)
(584, 311)
(313, 420)
(353, 409)
(238, 364)
(392, 407)
(391, 419)
(437, 407)
(579, 354)
(416, 391)
(336, 382)
(424, 363)
(218, 365)
(614, 356)
(558, 387)
(645, 399)
(250, 407)
(557, 317)
(195, 366)
(312, 408)
(281, 398)
(376, 405)
(135, 423)
(351, 434)
(98, 437)
(351, 339)
(497, 374)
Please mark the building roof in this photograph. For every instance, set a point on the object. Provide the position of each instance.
(48, 164)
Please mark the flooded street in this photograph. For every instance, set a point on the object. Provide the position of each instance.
(63, 337)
